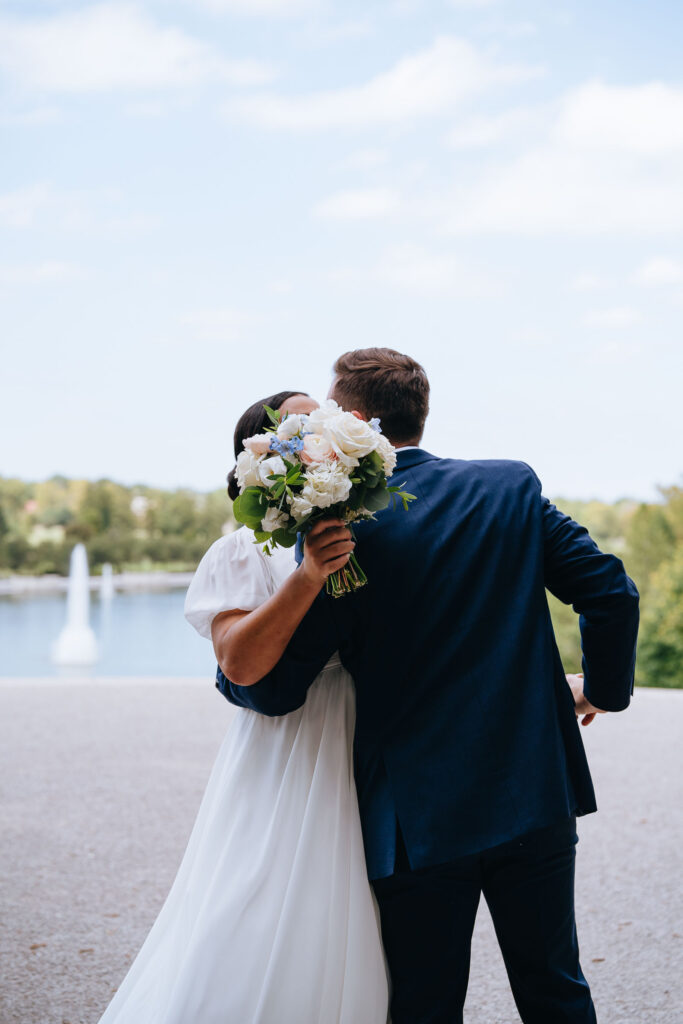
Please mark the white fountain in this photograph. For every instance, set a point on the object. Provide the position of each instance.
(107, 584)
(76, 644)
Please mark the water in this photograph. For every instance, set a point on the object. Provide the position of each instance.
(138, 633)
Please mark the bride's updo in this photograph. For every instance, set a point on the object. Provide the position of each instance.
(254, 421)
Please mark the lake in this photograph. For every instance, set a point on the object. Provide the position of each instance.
(138, 633)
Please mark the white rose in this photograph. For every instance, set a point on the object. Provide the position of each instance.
(388, 454)
(300, 507)
(350, 437)
(247, 470)
(289, 427)
(316, 420)
(326, 486)
(259, 444)
(269, 466)
(274, 520)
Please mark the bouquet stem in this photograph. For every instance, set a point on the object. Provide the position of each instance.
(345, 580)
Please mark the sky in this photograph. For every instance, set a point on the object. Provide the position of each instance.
(206, 201)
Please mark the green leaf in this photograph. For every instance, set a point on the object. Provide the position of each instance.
(273, 416)
(284, 538)
(356, 498)
(374, 462)
(377, 499)
(250, 507)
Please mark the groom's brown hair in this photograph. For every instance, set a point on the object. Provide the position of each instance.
(384, 383)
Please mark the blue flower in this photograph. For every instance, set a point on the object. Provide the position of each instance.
(374, 423)
(285, 448)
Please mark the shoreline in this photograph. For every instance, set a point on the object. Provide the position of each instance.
(26, 586)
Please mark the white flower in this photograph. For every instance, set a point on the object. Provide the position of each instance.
(388, 454)
(247, 470)
(274, 520)
(289, 427)
(269, 466)
(259, 444)
(316, 420)
(326, 485)
(350, 437)
(300, 507)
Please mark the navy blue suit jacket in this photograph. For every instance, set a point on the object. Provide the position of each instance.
(466, 731)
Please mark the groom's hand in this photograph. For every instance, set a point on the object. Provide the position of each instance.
(327, 547)
(581, 705)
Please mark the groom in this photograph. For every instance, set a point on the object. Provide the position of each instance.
(468, 760)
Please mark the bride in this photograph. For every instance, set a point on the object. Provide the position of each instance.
(271, 918)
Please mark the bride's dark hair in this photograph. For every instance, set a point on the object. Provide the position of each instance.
(254, 421)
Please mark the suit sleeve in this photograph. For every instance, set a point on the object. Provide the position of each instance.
(605, 599)
(285, 687)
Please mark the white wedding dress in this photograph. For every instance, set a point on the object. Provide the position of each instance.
(271, 918)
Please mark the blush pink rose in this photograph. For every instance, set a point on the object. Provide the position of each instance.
(316, 449)
(259, 444)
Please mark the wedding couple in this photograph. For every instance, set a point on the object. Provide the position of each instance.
(397, 752)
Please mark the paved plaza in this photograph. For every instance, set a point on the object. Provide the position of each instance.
(99, 784)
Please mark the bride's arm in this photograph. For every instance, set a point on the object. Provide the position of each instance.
(249, 644)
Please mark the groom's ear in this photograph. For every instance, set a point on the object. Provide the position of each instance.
(359, 415)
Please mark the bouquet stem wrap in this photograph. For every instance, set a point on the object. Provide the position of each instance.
(344, 581)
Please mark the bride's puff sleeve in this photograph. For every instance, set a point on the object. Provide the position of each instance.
(228, 578)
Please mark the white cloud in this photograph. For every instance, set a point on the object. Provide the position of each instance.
(511, 29)
(489, 130)
(588, 174)
(660, 271)
(613, 318)
(48, 272)
(417, 270)
(476, 4)
(32, 116)
(85, 211)
(364, 159)
(358, 204)
(614, 353)
(643, 119)
(588, 282)
(577, 170)
(221, 324)
(548, 191)
(431, 82)
(261, 8)
(18, 209)
(112, 46)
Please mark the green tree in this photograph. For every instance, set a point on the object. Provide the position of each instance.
(650, 540)
(660, 652)
(106, 505)
(673, 497)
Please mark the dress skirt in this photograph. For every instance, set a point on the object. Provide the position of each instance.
(271, 918)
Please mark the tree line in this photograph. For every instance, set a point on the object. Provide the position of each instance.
(142, 528)
(135, 528)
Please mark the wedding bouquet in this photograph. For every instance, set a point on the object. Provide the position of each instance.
(302, 469)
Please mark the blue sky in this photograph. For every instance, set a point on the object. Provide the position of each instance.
(204, 201)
